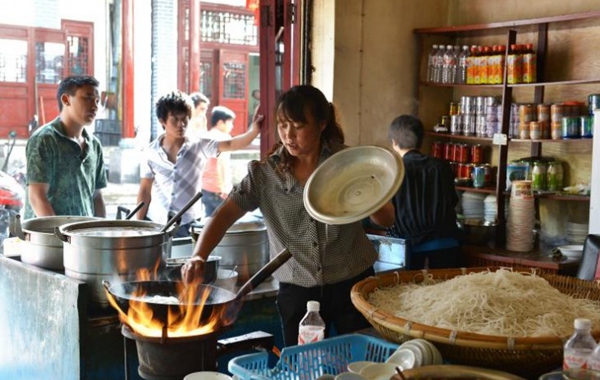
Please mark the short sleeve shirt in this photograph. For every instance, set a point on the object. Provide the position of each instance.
(322, 254)
(176, 183)
(73, 174)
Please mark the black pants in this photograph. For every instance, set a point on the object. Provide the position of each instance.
(437, 259)
(336, 307)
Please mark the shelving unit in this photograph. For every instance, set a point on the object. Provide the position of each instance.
(537, 30)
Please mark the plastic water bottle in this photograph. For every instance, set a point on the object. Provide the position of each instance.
(461, 71)
(439, 64)
(579, 346)
(449, 67)
(312, 326)
(593, 361)
(431, 64)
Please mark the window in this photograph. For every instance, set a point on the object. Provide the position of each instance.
(234, 80)
(49, 62)
(13, 60)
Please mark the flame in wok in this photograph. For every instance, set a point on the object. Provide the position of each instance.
(184, 316)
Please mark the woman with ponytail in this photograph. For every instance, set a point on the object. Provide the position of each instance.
(326, 260)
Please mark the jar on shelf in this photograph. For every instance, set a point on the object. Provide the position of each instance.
(555, 176)
(539, 176)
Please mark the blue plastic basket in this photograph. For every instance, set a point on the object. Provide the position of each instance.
(309, 361)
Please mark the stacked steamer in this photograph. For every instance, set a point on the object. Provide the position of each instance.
(521, 218)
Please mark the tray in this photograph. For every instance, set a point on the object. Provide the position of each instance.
(309, 361)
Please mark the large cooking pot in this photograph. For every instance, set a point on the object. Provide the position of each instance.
(100, 250)
(219, 301)
(43, 248)
(244, 247)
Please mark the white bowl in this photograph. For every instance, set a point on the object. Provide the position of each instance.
(207, 375)
(404, 358)
(356, 367)
(416, 351)
(423, 346)
(350, 376)
(379, 371)
(571, 250)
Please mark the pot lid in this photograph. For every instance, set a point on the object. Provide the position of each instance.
(113, 228)
(352, 184)
(248, 223)
(46, 224)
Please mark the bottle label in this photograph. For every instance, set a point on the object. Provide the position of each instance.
(310, 334)
(593, 363)
(576, 359)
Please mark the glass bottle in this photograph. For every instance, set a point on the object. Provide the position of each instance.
(555, 176)
(579, 346)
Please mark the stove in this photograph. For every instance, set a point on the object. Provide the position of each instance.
(172, 358)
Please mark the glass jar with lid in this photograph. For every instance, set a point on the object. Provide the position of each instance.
(538, 176)
(555, 176)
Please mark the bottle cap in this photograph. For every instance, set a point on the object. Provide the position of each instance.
(580, 323)
(313, 306)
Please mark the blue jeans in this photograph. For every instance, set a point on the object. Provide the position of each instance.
(210, 201)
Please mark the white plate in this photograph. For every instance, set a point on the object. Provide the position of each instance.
(571, 250)
(404, 358)
(424, 348)
(379, 371)
(357, 366)
(416, 350)
(207, 375)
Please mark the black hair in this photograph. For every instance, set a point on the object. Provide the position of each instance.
(407, 132)
(293, 105)
(198, 97)
(219, 113)
(70, 85)
(173, 102)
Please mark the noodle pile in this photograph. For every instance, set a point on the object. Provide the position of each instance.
(501, 303)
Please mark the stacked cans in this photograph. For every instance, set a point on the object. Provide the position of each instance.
(479, 116)
(532, 121)
(466, 162)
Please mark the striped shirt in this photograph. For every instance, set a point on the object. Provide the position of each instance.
(322, 254)
(175, 184)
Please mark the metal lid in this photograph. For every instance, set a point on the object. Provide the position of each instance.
(113, 229)
(247, 223)
(352, 184)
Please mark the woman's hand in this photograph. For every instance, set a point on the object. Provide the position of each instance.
(193, 270)
(257, 119)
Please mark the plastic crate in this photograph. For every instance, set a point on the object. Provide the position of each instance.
(309, 361)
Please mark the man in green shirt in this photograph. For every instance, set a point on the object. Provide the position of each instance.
(65, 164)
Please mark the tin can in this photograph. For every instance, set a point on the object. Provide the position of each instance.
(468, 125)
(571, 127)
(454, 109)
(465, 170)
(461, 154)
(593, 103)
(556, 131)
(487, 170)
(523, 131)
(557, 111)
(587, 125)
(543, 112)
(535, 130)
(478, 176)
(480, 105)
(449, 151)
(476, 154)
(466, 105)
(526, 113)
(437, 149)
(456, 127)
(491, 112)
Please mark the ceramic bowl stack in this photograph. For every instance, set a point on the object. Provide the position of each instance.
(472, 205)
(577, 232)
(425, 353)
(489, 209)
(521, 218)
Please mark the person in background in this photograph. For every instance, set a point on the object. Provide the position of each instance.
(216, 182)
(65, 164)
(425, 203)
(327, 259)
(198, 121)
(172, 165)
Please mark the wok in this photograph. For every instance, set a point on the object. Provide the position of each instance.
(219, 302)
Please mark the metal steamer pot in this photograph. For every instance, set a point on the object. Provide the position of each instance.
(109, 249)
(43, 249)
(244, 247)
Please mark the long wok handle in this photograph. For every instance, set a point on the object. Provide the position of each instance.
(183, 209)
(281, 258)
(135, 210)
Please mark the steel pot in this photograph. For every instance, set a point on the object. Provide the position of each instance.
(100, 250)
(245, 245)
(43, 248)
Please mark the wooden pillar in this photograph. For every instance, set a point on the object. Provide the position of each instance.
(194, 47)
(267, 73)
(127, 69)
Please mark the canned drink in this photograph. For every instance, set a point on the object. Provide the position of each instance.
(480, 125)
(593, 103)
(491, 113)
(465, 170)
(476, 154)
(449, 151)
(526, 113)
(466, 105)
(490, 101)
(535, 130)
(557, 112)
(556, 131)
(487, 170)
(454, 108)
(587, 125)
(437, 149)
(468, 125)
(478, 176)
(456, 124)
(571, 127)
(543, 112)
(524, 131)
(461, 154)
(480, 105)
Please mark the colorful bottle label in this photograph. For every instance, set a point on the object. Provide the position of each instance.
(576, 358)
(310, 334)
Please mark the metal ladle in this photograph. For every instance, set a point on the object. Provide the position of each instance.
(177, 216)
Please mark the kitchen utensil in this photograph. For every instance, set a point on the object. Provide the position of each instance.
(135, 210)
(211, 269)
(186, 207)
(219, 300)
(352, 184)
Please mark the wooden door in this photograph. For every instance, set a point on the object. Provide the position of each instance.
(16, 109)
(233, 76)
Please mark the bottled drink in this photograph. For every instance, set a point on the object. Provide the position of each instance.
(593, 361)
(555, 176)
(579, 346)
(461, 73)
(431, 64)
(472, 65)
(439, 64)
(449, 67)
(312, 326)
(529, 65)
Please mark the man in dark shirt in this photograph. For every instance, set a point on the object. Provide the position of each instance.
(425, 202)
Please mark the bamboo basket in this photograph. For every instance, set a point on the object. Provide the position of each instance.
(526, 356)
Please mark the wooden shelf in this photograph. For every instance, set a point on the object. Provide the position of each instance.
(557, 197)
(551, 140)
(557, 83)
(455, 85)
(461, 137)
(488, 189)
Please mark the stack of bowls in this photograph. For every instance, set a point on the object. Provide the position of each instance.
(577, 232)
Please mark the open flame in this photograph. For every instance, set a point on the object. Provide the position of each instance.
(184, 313)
